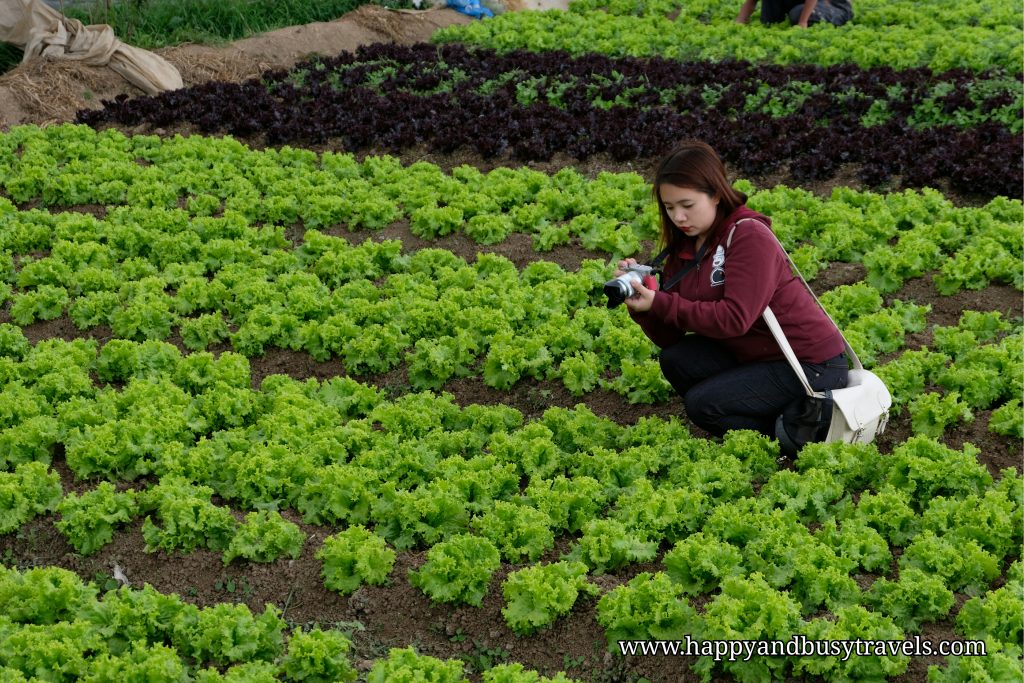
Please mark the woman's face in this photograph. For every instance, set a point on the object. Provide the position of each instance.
(693, 212)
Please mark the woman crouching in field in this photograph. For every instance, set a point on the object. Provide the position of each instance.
(723, 267)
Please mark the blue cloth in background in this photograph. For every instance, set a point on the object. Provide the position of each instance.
(471, 7)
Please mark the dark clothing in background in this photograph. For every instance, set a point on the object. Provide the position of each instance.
(836, 12)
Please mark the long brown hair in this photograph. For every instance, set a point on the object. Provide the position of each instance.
(694, 165)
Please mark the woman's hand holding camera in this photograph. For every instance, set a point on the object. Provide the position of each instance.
(642, 301)
(622, 265)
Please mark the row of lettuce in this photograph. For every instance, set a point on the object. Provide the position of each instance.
(541, 334)
(220, 188)
(924, 522)
(56, 628)
(914, 98)
(148, 272)
(912, 126)
(975, 35)
(195, 416)
(443, 319)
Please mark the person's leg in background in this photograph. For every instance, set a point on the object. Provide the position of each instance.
(823, 11)
(776, 11)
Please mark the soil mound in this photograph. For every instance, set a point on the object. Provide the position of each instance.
(367, 24)
(49, 91)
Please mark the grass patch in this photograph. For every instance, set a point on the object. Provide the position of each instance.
(158, 23)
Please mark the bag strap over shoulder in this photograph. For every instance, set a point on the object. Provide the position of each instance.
(776, 328)
(787, 351)
(687, 267)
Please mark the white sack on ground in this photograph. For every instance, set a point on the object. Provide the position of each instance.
(42, 32)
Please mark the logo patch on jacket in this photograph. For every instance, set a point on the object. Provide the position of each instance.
(718, 267)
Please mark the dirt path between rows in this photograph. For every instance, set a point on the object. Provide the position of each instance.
(49, 91)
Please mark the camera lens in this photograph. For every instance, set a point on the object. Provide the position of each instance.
(616, 291)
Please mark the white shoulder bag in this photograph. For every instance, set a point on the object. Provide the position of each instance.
(854, 414)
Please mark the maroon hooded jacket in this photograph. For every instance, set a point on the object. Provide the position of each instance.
(724, 296)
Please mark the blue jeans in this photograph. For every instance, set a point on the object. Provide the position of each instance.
(720, 393)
